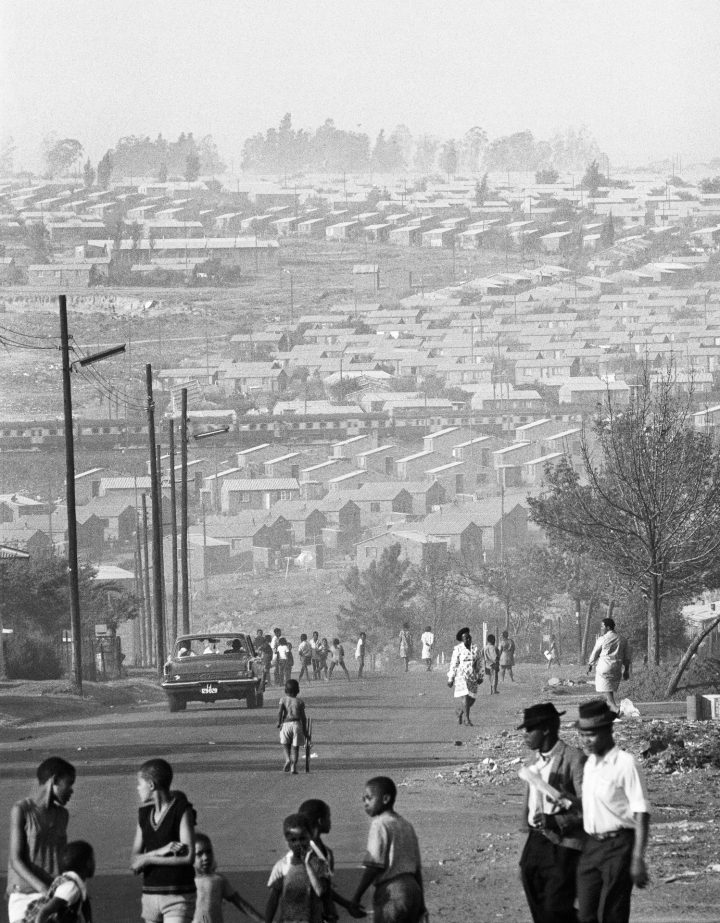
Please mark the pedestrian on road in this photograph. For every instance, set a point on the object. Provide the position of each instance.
(319, 820)
(360, 653)
(616, 818)
(323, 656)
(552, 654)
(38, 834)
(285, 659)
(392, 860)
(548, 864)
(611, 658)
(292, 723)
(405, 645)
(67, 899)
(214, 888)
(427, 639)
(299, 880)
(164, 847)
(274, 642)
(315, 656)
(305, 655)
(338, 659)
(465, 674)
(507, 656)
(492, 663)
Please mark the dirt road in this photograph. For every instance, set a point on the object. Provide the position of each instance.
(458, 786)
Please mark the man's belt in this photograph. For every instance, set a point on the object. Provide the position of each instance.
(611, 834)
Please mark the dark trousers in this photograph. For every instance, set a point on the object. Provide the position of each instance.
(603, 879)
(548, 877)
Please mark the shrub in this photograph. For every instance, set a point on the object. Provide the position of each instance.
(32, 658)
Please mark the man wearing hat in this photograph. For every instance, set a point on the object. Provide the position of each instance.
(467, 668)
(549, 859)
(616, 818)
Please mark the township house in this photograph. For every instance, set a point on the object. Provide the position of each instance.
(251, 376)
(239, 494)
(344, 521)
(417, 546)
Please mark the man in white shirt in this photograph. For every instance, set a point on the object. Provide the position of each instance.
(616, 818)
(549, 859)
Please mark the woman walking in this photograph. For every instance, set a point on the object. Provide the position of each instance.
(465, 674)
(405, 644)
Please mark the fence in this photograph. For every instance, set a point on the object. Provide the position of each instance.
(102, 658)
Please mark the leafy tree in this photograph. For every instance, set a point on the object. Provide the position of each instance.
(162, 173)
(387, 156)
(210, 161)
(192, 167)
(104, 170)
(710, 185)
(38, 240)
(648, 502)
(439, 591)
(472, 146)
(426, 148)
(7, 155)
(449, 158)
(481, 190)
(513, 152)
(593, 178)
(607, 235)
(62, 156)
(88, 174)
(547, 175)
(379, 596)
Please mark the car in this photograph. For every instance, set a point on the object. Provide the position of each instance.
(210, 667)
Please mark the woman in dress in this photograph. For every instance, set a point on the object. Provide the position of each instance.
(405, 644)
(465, 674)
(427, 639)
(611, 659)
(507, 656)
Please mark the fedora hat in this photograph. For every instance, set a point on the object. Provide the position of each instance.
(458, 636)
(539, 714)
(593, 714)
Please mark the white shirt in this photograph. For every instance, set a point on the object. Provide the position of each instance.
(538, 803)
(613, 790)
(427, 640)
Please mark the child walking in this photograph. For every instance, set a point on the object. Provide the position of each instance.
(319, 820)
(492, 663)
(214, 888)
(38, 834)
(298, 881)
(338, 658)
(164, 847)
(305, 655)
(292, 723)
(67, 898)
(392, 861)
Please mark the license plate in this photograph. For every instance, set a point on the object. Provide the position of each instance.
(208, 690)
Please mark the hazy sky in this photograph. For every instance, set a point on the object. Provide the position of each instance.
(643, 75)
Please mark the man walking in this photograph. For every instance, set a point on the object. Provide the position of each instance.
(549, 860)
(616, 818)
(611, 659)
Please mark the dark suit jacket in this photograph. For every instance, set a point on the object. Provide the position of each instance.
(566, 772)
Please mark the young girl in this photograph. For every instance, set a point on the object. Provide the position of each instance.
(299, 881)
(405, 645)
(214, 888)
(323, 654)
(492, 663)
(67, 898)
(338, 658)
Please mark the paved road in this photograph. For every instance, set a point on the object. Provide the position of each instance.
(228, 760)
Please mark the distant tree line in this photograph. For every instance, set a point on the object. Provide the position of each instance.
(286, 149)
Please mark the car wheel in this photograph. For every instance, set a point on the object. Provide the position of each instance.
(176, 703)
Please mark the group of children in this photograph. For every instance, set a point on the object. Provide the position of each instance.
(47, 875)
(315, 654)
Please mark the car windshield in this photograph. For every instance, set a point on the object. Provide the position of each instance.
(212, 646)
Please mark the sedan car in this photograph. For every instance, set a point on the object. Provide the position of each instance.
(206, 668)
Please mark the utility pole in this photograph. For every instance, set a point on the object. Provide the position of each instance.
(173, 526)
(156, 528)
(148, 595)
(185, 581)
(75, 630)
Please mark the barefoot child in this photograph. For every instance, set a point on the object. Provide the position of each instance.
(392, 861)
(214, 888)
(299, 880)
(38, 834)
(293, 725)
(164, 847)
(318, 816)
(67, 898)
